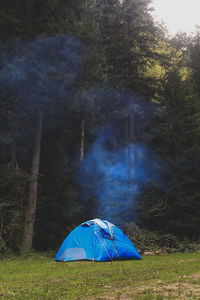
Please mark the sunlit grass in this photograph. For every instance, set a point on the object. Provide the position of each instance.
(40, 277)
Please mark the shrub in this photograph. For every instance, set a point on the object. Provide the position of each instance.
(146, 240)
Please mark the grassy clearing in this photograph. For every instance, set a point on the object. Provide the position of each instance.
(175, 276)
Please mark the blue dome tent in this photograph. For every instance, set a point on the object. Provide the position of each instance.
(96, 240)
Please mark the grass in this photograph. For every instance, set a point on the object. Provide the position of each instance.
(174, 276)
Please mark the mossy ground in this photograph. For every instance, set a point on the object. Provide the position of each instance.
(174, 276)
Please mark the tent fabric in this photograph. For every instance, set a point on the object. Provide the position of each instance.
(96, 240)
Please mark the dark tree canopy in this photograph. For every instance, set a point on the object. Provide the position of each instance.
(113, 87)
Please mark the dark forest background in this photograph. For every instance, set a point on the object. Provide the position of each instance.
(117, 101)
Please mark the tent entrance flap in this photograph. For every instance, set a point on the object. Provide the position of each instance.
(73, 254)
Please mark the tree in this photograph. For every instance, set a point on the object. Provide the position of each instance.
(194, 50)
(32, 198)
(174, 200)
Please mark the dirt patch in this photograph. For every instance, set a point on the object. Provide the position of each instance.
(187, 260)
(195, 276)
(177, 290)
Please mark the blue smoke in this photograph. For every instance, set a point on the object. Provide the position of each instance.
(106, 175)
(42, 72)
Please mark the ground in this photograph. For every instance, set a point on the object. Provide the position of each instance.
(174, 276)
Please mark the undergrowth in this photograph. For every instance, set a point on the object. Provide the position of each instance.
(146, 240)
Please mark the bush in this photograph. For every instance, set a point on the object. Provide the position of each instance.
(146, 241)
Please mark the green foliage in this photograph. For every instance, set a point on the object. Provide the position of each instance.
(89, 60)
(13, 186)
(157, 241)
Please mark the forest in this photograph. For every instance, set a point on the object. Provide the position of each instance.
(99, 118)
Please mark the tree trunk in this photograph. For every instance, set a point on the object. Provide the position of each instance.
(82, 139)
(129, 151)
(1, 228)
(131, 146)
(13, 160)
(32, 198)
